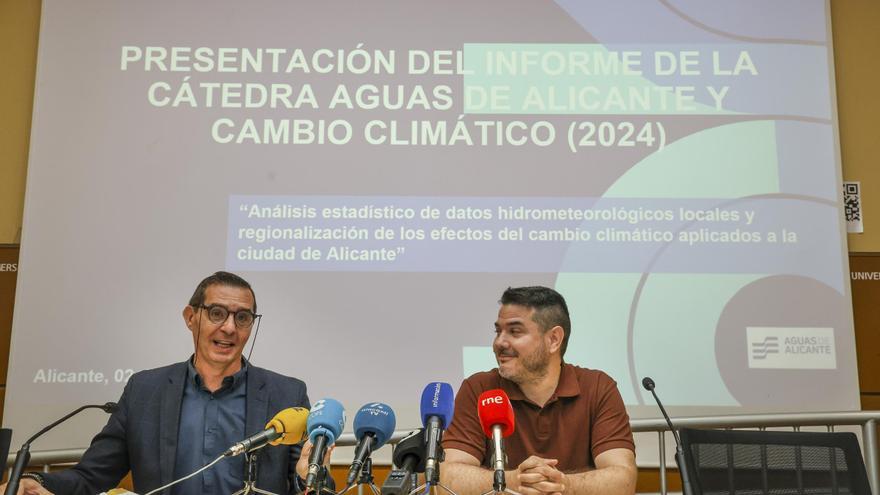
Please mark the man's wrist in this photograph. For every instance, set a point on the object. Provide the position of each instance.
(566, 482)
(37, 477)
(323, 473)
(511, 479)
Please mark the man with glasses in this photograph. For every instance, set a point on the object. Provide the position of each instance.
(171, 421)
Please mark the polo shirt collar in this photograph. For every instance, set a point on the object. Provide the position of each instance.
(511, 389)
(568, 382)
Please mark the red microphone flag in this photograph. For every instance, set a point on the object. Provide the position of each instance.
(493, 408)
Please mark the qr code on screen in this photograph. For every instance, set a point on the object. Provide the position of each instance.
(852, 205)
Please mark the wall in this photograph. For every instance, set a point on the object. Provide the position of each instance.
(856, 36)
(19, 29)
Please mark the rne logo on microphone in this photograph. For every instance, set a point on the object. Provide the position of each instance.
(492, 400)
(435, 401)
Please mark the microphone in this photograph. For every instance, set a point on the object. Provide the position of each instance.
(287, 427)
(496, 418)
(409, 457)
(409, 453)
(686, 487)
(324, 425)
(373, 426)
(23, 456)
(438, 402)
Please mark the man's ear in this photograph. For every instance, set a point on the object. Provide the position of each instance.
(189, 317)
(555, 335)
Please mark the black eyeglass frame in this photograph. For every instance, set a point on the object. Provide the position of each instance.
(254, 316)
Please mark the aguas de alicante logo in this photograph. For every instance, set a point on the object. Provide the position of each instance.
(791, 347)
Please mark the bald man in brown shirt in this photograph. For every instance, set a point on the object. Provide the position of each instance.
(571, 434)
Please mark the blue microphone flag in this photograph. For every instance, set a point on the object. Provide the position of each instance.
(438, 400)
(327, 417)
(376, 418)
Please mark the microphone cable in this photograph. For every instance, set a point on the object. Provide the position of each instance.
(157, 490)
(254, 341)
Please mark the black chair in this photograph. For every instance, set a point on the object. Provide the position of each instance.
(5, 440)
(729, 462)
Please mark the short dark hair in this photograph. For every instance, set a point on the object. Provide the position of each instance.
(220, 278)
(549, 305)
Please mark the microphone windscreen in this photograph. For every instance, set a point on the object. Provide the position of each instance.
(494, 408)
(375, 418)
(326, 418)
(291, 423)
(412, 445)
(648, 383)
(438, 399)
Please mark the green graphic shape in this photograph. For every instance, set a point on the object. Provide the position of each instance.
(478, 358)
(599, 305)
(675, 334)
(677, 313)
(729, 161)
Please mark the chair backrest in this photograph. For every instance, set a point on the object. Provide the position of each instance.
(5, 440)
(737, 462)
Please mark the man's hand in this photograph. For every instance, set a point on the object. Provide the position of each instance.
(28, 487)
(302, 465)
(538, 476)
(463, 473)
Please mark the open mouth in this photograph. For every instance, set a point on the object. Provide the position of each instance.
(224, 344)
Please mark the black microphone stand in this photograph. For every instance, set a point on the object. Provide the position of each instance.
(686, 486)
(365, 477)
(250, 479)
(23, 456)
(320, 481)
(432, 480)
(414, 482)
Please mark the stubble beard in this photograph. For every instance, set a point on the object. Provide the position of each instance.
(533, 367)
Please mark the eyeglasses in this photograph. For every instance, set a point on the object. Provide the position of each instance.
(243, 318)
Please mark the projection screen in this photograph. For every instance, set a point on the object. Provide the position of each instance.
(382, 171)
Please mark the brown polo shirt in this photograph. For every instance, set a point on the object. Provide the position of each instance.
(584, 417)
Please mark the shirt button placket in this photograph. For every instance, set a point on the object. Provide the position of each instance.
(544, 423)
(210, 438)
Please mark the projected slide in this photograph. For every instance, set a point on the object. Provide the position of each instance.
(382, 171)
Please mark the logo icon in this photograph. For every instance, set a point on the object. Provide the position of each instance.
(791, 348)
(770, 345)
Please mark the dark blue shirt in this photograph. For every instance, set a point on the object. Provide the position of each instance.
(210, 423)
